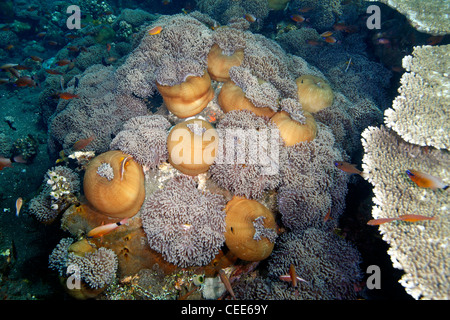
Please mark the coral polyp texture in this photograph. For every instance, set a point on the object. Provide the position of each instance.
(60, 187)
(310, 184)
(421, 113)
(243, 166)
(98, 112)
(144, 138)
(184, 223)
(427, 16)
(96, 268)
(420, 249)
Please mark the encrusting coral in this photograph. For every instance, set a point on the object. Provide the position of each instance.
(114, 184)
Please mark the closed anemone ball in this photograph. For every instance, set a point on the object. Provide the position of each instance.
(250, 229)
(232, 97)
(293, 132)
(314, 93)
(219, 64)
(192, 146)
(114, 184)
(189, 97)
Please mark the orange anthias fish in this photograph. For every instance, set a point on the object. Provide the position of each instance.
(67, 95)
(63, 62)
(100, 231)
(425, 180)
(19, 203)
(25, 82)
(82, 143)
(330, 39)
(326, 34)
(108, 47)
(155, 30)
(376, 222)
(53, 72)
(5, 162)
(298, 18)
(292, 277)
(348, 167)
(249, 17)
(405, 217)
(226, 282)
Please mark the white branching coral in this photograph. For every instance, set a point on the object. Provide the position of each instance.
(422, 249)
(421, 113)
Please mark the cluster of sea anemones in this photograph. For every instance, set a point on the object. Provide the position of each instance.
(167, 196)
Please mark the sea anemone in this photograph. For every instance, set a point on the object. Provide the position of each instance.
(192, 146)
(248, 154)
(327, 262)
(144, 138)
(293, 131)
(189, 97)
(250, 229)
(219, 64)
(114, 184)
(232, 97)
(314, 93)
(184, 223)
(92, 268)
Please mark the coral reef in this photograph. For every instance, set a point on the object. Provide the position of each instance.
(420, 113)
(420, 249)
(184, 223)
(429, 16)
(180, 220)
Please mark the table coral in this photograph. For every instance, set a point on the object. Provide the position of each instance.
(420, 249)
(420, 114)
(427, 16)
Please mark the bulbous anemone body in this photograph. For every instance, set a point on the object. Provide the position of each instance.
(292, 131)
(232, 97)
(314, 93)
(192, 146)
(241, 235)
(110, 193)
(189, 97)
(219, 64)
